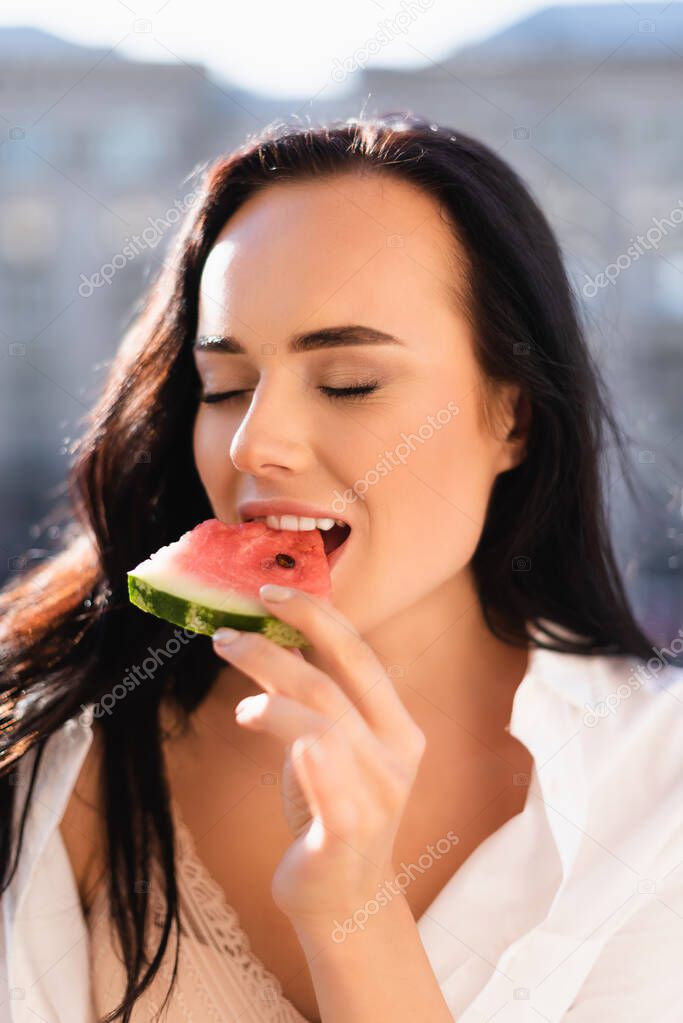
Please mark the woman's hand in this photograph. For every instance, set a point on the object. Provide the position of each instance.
(353, 748)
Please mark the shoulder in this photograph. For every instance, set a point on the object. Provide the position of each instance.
(626, 697)
(618, 721)
(82, 824)
(636, 723)
(636, 701)
(630, 726)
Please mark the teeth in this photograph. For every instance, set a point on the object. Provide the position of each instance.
(299, 523)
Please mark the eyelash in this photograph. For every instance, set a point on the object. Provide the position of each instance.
(360, 391)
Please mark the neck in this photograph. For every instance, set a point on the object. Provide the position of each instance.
(439, 650)
(442, 650)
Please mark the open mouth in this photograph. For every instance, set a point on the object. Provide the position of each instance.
(335, 537)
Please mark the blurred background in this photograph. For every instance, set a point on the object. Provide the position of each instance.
(108, 109)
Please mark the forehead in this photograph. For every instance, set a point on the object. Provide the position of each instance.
(347, 245)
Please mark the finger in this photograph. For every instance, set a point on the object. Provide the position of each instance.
(295, 805)
(386, 778)
(272, 667)
(352, 662)
(381, 781)
(287, 719)
(345, 811)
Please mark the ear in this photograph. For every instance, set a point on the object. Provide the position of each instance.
(515, 417)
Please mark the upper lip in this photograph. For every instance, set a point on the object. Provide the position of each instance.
(254, 509)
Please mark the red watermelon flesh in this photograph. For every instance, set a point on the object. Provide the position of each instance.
(210, 577)
(245, 556)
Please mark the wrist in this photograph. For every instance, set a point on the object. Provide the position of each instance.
(352, 914)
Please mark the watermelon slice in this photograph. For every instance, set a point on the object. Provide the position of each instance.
(211, 576)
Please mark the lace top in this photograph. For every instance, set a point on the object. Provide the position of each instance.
(219, 978)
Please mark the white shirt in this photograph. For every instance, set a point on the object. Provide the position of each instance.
(572, 910)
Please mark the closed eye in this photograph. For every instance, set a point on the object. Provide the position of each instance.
(358, 391)
(220, 396)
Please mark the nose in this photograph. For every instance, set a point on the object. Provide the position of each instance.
(272, 438)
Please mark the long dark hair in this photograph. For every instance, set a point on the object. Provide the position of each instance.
(68, 632)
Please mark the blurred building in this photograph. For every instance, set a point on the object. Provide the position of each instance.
(583, 101)
(91, 163)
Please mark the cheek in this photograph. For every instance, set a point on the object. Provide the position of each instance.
(430, 511)
(211, 449)
(460, 466)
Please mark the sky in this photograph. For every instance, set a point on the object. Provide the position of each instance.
(274, 47)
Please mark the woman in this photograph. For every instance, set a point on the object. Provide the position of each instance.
(368, 322)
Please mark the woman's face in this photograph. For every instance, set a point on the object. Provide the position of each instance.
(410, 465)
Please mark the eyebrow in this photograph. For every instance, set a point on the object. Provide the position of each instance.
(323, 337)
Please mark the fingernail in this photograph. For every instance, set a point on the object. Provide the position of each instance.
(224, 636)
(251, 704)
(269, 591)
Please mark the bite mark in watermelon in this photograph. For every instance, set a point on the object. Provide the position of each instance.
(210, 577)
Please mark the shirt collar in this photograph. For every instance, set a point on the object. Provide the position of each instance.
(58, 771)
(547, 717)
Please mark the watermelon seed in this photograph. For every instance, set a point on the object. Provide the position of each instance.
(285, 560)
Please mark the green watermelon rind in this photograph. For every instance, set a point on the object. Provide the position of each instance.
(204, 619)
